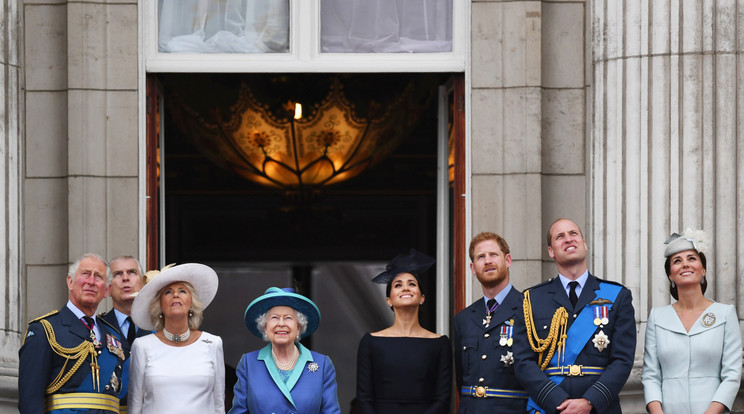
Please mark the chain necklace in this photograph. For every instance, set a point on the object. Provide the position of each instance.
(177, 338)
(289, 365)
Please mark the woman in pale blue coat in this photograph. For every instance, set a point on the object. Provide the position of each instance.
(692, 358)
(284, 376)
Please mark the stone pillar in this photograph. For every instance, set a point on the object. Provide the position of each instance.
(505, 129)
(665, 147)
(11, 131)
(81, 159)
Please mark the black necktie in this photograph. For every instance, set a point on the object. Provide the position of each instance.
(131, 334)
(572, 293)
(89, 322)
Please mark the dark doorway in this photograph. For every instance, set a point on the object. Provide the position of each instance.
(328, 243)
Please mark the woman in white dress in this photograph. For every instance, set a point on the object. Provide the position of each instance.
(179, 368)
(692, 356)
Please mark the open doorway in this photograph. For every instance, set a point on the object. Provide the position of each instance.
(328, 243)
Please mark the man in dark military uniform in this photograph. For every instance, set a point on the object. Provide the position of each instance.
(71, 361)
(575, 349)
(125, 280)
(484, 334)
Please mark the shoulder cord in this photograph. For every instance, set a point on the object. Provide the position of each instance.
(556, 336)
(78, 353)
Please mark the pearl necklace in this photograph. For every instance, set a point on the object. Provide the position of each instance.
(177, 338)
(289, 365)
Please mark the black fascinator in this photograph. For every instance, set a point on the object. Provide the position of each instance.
(414, 263)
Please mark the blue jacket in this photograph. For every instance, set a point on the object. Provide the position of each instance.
(473, 340)
(39, 365)
(616, 359)
(311, 387)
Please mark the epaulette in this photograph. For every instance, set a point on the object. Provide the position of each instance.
(42, 317)
(37, 320)
(540, 284)
(611, 282)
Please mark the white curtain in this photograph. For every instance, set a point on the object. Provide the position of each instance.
(223, 26)
(386, 26)
(262, 26)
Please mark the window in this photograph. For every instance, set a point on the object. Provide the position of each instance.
(304, 35)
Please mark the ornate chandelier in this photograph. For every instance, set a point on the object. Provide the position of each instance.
(278, 146)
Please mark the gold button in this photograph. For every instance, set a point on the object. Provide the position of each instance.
(486, 335)
(484, 356)
(481, 380)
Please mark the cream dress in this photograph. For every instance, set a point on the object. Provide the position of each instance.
(189, 379)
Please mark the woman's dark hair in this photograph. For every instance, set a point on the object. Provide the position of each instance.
(673, 288)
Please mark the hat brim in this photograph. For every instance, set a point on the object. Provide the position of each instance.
(264, 303)
(202, 277)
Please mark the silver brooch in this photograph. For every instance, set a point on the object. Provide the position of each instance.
(708, 319)
(207, 341)
(312, 367)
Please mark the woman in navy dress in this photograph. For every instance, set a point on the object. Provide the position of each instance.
(404, 368)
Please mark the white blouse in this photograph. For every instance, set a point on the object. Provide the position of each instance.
(189, 379)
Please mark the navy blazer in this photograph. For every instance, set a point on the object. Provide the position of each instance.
(478, 356)
(39, 364)
(617, 359)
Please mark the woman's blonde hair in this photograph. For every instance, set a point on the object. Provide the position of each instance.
(196, 314)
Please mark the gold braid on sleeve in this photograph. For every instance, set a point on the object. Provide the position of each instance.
(79, 353)
(556, 336)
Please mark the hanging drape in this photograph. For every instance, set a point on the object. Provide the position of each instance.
(262, 26)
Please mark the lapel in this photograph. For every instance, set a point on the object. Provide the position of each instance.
(265, 355)
(560, 297)
(666, 318)
(587, 293)
(73, 324)
(302, 360)
(477, 314)
(110, 318)
(505, 309)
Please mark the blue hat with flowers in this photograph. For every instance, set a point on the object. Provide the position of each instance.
(282, 297)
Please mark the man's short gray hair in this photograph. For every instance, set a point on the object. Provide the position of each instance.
(74, 267)
(110, 275)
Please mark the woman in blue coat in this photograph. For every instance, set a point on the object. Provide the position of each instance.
(284, 376)
(692, 357)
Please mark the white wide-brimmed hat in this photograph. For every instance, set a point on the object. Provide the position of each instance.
(202, 277)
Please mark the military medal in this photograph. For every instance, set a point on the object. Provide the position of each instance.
(95, 340)
(506, 333)
(597, 316)
(601, 341)
(507, 359)
(114, 381)
(114, 346)
(708, 319)
(489, 312)
(605, 315)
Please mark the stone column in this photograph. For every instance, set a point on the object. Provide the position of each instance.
(665, 144)
(505, 131)
(11, 131)
(81, 159)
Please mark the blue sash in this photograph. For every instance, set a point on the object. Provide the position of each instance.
(578, 335)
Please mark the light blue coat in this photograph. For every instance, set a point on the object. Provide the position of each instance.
(311, 387)
(686, 371)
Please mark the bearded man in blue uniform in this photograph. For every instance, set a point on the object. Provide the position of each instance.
(576, 337)
(71, 361)
(484, 334)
